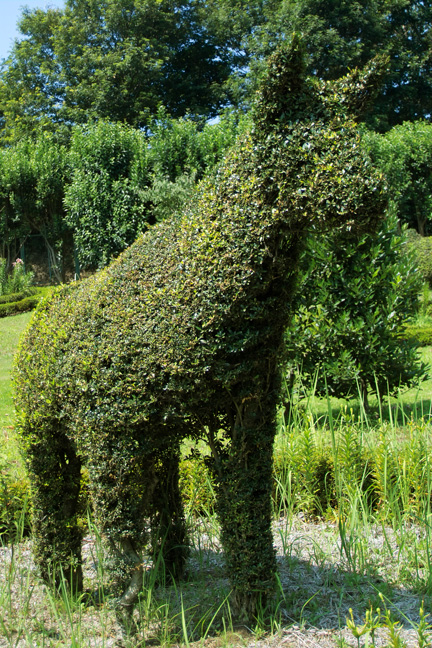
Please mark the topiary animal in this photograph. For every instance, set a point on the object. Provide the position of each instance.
(182, 335)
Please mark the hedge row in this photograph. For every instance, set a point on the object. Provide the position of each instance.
(21, 306)
(18, 296)
(15, 303)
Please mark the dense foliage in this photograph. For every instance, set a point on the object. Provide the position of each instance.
(405, 156)
(32, 178)
(182, 335)
(354, 298)
(104, 199)
(421, 248)
(100, 190)
(115, 59)
(122, 60)
(15, 282)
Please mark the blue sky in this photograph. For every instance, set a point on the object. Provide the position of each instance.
(10, 12)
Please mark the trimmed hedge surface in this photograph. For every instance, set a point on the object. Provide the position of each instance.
(21, 302)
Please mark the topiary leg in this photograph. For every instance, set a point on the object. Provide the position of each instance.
(167, 520)
(244, 509)
(127, 572)
(55, 472)
(122, 482)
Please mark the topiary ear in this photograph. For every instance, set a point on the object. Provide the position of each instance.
(281, 88)
(358, 89)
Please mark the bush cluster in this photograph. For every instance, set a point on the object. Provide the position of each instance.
(105, 186)
(354, 299)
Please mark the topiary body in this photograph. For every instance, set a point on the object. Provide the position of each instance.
(182, 335)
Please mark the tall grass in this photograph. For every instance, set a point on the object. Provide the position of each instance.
(345, 461)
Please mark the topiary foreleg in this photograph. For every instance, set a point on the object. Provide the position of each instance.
(167, 520)
(55, 472)
(244, 509)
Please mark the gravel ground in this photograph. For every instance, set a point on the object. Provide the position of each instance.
(319, 582)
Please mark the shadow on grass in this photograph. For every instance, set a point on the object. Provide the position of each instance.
(315, 589)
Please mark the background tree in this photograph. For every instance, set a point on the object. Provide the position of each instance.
(32, 180)
(122, 180)
(404, 154)
(116, 59)
(342, 35)
(104, 198)
(353, 301)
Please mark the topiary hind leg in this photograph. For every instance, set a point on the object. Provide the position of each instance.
(245, 513)
(55, 474)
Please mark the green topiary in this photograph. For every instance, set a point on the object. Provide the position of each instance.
(182, 336)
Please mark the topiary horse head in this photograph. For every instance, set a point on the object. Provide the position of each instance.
(182, 336)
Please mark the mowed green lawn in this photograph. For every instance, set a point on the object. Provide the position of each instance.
(10, 331)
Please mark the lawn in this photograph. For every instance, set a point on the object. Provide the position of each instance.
(10, 331)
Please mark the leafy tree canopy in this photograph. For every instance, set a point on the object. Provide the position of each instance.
(342, 34)
(116, 59)
(122, 59)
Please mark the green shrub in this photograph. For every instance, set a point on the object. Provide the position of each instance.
(17, 281)
(24, 301)
(21, 306)
(422, 249)
(18, 296)
(354, 297)
(421, 334)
